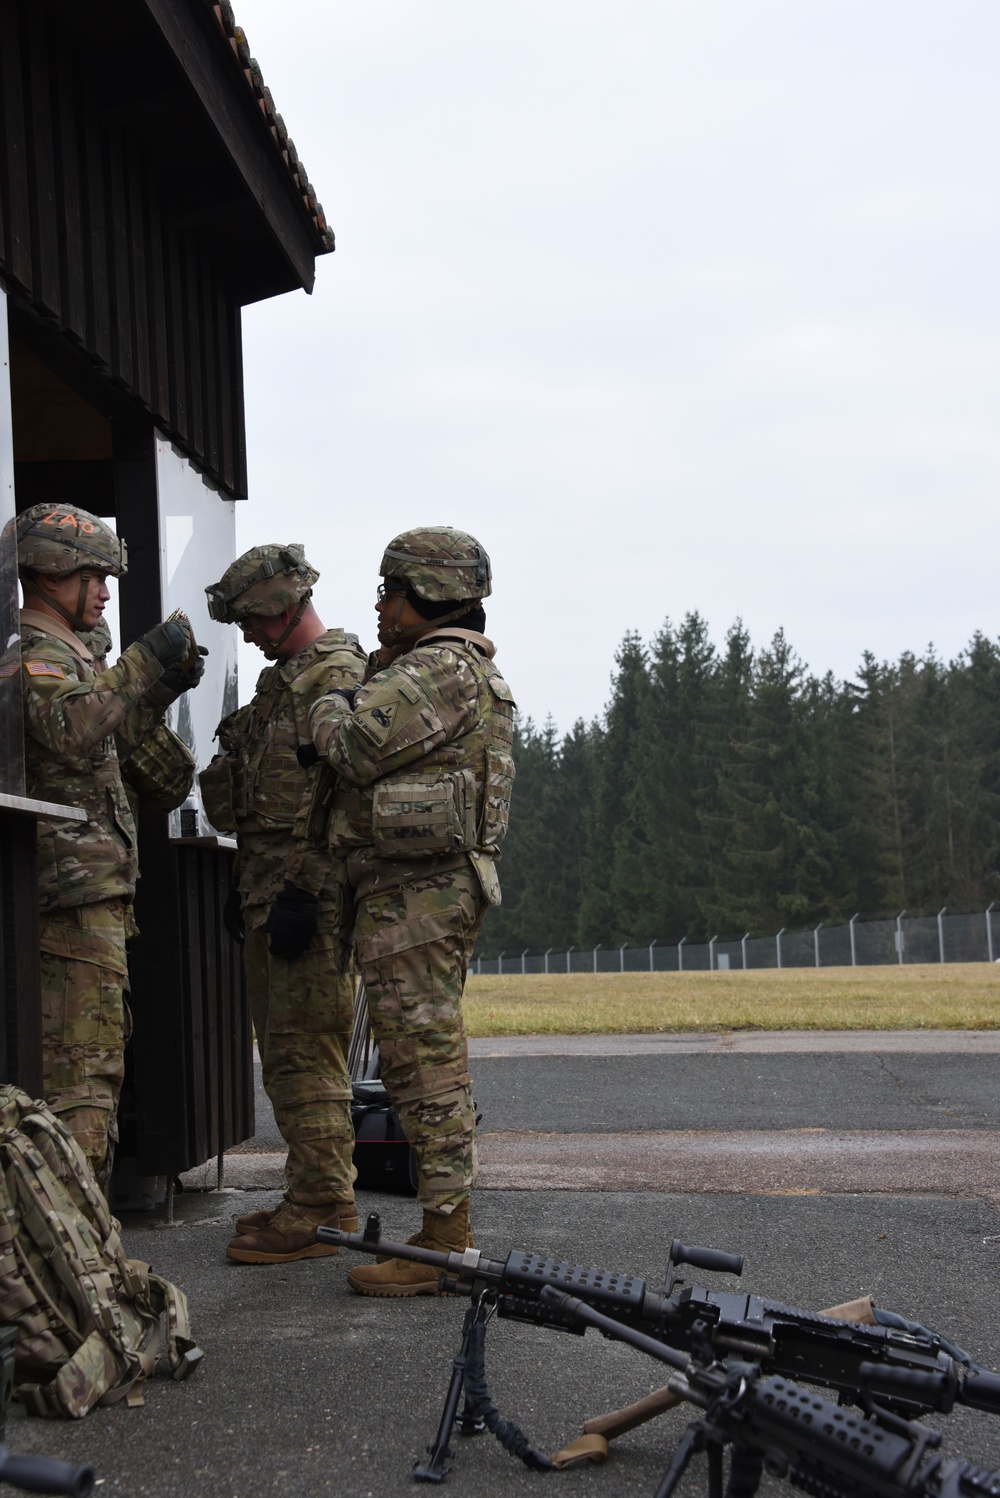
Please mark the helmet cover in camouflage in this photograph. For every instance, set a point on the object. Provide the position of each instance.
(439, 563)
(264, 581)
(60, 539)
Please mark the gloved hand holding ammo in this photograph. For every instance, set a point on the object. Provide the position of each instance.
(169, 642)
(292, 922)
(181, 677)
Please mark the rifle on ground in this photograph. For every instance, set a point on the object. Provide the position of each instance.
(770, 1423)
(908, 1368)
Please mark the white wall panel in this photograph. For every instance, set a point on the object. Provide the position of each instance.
(197, 544)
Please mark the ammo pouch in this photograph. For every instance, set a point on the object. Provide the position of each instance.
(160, 770)
(496, 801)
(423, 813)
(216, 783)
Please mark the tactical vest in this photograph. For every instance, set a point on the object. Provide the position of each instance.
(256, 784)
(455, 799)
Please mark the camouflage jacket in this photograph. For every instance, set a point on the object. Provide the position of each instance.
(256, 787)
(424, 763)
(73, 714)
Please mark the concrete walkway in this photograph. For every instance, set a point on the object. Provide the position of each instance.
(836, 1172)
(746, 1043)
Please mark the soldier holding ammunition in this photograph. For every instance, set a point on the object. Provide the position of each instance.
(289, 895)
(74, 714)
(422, 753)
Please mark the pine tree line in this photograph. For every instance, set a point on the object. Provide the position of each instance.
(726, 791)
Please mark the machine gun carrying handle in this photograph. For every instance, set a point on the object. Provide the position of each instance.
(706, 1258)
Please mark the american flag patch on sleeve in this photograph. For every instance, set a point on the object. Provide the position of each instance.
(44, 668)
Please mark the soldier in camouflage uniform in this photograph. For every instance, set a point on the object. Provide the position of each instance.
(423, 756)
(296, 957)
(75, 709)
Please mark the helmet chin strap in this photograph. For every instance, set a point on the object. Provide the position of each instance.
(394, 632)
(75, 621)
(294, 621)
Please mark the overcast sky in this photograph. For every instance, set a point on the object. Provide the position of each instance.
(676, 306)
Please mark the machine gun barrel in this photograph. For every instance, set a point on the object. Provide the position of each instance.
(520, 1278)
(43, 1474)
(913, 1369)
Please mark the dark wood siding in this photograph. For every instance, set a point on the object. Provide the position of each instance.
(91, 237)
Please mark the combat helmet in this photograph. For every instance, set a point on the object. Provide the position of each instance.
(264, 581)
(439, 563)
(58, 540)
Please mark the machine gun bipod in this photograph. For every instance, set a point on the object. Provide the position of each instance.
(479, 1413)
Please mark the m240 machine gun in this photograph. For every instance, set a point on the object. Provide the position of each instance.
(772, 1424)
(897, 1366)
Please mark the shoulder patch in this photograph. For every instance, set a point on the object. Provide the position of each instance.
(376, 722)
(44, 668)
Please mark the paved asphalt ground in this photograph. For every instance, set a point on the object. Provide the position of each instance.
(308, 1388)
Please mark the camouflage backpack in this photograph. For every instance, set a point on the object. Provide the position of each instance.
(87, 1318)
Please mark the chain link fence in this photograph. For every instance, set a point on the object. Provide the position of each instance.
(940, 938)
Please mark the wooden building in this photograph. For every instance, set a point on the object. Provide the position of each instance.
(148, 191)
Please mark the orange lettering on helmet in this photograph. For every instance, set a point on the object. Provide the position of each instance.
(87, 527)
(68, 520)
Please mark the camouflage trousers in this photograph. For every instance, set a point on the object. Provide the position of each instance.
(85, 1022)
(303, 1011)
(413, 944)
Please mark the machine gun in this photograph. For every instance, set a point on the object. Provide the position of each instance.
(908, 1368)
(771, 1424)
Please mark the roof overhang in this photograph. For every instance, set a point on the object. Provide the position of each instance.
(176, 75)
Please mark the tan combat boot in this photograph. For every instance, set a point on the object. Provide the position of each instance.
(291, 1234)
(393, 1278)
(251, 1221)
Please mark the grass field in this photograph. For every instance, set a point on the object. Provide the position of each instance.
(956, 996)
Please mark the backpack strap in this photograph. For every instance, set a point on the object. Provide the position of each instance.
(167, 1299)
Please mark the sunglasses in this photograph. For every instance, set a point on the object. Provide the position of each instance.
(391, 585)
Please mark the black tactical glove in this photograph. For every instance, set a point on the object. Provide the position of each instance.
(307, 755)
(232, 915)
(292, 922)
(178, 678)
(169, 642)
